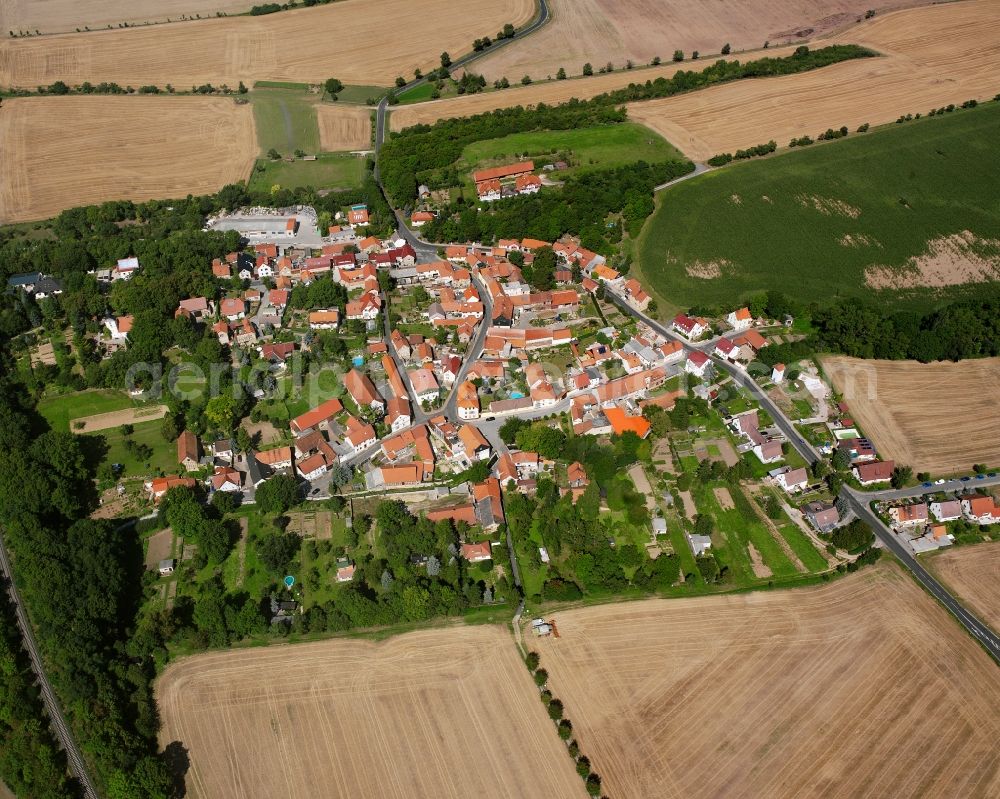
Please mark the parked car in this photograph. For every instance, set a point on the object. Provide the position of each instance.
(927, 485)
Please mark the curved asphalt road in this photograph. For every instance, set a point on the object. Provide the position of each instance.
(859, 501)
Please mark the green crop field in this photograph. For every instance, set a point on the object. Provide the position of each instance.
(286, 119)
(328, 171)
(360, 95)
(598, 147)
(809, 222)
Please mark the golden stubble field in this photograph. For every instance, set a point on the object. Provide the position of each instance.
(357, 41)
(865, 687)
(438, 713)
(932, 56)
(60, 16)
(973, 574)
(344, 127)
(935, 417)
(599, 31)
(97, 148)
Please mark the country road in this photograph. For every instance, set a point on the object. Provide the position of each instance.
(858, 500)
(61, 730)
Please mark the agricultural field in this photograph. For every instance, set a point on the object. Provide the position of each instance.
(328, 171)
(289, 46)
(438, 713)
(973, 574)
(806, 692)
(915, 415)
(344, 127)
(136, 148)
(602, 31)
(887, 214)
(61, 16)
(286, 119)
(933, 56)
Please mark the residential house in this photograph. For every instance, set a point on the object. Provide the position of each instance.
(700, 544)
(313, 466)
(189, 451)
(697, 363)
(119, 327)
(769, 451)
(947, 510)
(196, 308)
(792, 480)
(740, 319)
(823, 516)
(909, 515)
(362, 390)
(226, 478)
(316, 418)
(424, 384)
(232, 308)
(358, 216)
(475, 446)
(876, 472)
(125, 268)
(527, 184)
(324, 320)
(778, 372)
(622, 422)
(277, 459)
(223, 449)
(691, 328)
(981, 510)
(488, 503)
(359, 435)
(159, 486)
(468, 401)
(399, 415)
(635, 295)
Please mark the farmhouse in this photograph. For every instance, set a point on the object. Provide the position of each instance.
(188, 451)
(159, 486)
(504, 172)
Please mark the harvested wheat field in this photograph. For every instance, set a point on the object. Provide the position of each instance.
(973, 574)
(403, 116)
(58, 152)
(933, 56)
(599, 31)
(344, 127)
(935, 417)
(106, 421)
(305, 45)
(865, 687)
(60, 16)
(438, 713)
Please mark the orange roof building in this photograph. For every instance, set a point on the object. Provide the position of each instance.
(506, 171)
(623, 423)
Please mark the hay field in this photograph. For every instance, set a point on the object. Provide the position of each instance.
(344, 127)
(358, 41)
(404, 116)
(438, 713)
(935, 417)
(865, 687)
(973, 574)
(933, 56)
(59, 152)
(61, 16)
(600, 31)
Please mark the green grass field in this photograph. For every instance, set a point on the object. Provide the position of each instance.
(164, 457)
(58, 411)
(360, 95)
(598, 147)
(808, 222)
(328, 171)
(285, 119)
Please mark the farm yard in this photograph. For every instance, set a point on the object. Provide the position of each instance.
(884, 212)
(914, 414)
(602, 31)
(813, 691)
(61, 16)
(290, 46)
(450, 712)
(344, 127)
(137, 148)
(933, 56)
(973, 573)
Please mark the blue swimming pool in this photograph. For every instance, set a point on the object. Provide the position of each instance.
(516, 395)
(358, 361)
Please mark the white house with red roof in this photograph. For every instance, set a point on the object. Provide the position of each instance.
(740, 319)
(697, 363)
(724, 348)
(689, 327)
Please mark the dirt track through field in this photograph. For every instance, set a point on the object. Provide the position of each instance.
(358, 41)
(344, 127)
(933, 56)
(599, 31)
(60, 151)
(111, 419)
(865, 687)
(61, 16)
(934, 417)
(973, 573)
(438, 713)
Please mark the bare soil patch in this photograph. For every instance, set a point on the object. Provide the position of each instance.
(933, 56)
(706, 270)
(973, 573)
(439, 713)
(949, 261)
(310, 524)
(291, 46)
(858, 240)
(724, 498)
(62, 16)
(934, 417)
(57, 152)
(820, 691)
(602, 31)
(828, 206)
(158, 547)
(760, 569)
(344, 127)
(269, 434)
(726, 450)
(106, 421)
(638, 475)
(690, 508)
